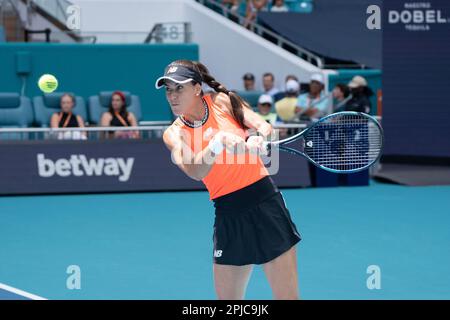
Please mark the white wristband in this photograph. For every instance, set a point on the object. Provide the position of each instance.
(215, 145)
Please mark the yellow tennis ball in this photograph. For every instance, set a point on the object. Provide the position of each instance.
(48, 83)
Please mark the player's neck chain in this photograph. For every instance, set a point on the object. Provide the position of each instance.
(200, 123)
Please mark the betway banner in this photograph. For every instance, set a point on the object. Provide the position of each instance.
(108, 166)
(79, 165)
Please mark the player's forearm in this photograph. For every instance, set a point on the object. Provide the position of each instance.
(201, 164)
(261, 126)
(265, 129)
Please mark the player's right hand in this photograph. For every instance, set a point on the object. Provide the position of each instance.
(233, 143)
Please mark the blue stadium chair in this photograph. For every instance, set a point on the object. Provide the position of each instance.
(46, 105)
(100, 103)
(251, 97)
(2, 34)
(15, 111)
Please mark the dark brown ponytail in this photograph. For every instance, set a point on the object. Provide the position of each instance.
(237, 102)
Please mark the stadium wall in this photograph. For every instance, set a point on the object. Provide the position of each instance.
(88, 69)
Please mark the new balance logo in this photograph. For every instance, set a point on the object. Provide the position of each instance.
(172, 69)
(217, 253)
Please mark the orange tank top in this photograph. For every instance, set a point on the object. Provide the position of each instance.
(230, 172)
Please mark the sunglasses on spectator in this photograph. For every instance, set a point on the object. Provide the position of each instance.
(266, 104)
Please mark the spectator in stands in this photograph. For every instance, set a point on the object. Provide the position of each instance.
(286, 108)
(119, 116)
(361, 93)
(233, 5)
(280, 95)
(66, 119)
(249, 82)
(313, 104)
(253, 8)
(269, 84)
(265, 103)
(279, 6)
(341, 94)
(290, 77)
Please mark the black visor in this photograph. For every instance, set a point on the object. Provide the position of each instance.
(178, 74)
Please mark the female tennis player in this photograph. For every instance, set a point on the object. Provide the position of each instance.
(252, 224)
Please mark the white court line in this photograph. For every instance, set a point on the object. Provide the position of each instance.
(20, 292)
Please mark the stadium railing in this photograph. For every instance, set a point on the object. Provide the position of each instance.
(266, 33)
(91, 133)
(152, 130)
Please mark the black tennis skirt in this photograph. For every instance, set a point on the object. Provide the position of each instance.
(252, 225)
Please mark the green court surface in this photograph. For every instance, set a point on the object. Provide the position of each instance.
(159, 245)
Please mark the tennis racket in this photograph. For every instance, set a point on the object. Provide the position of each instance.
(342, 142)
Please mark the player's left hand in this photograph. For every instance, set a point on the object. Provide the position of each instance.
(255, 145)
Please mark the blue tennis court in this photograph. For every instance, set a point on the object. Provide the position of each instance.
(159, 245)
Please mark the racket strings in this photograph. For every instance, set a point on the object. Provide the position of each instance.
(344, 143)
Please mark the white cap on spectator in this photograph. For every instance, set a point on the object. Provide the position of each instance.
(292, 86)
(357, 82)
(265, 98)
(317, 77)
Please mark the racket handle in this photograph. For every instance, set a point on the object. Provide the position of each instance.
(267, 145)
